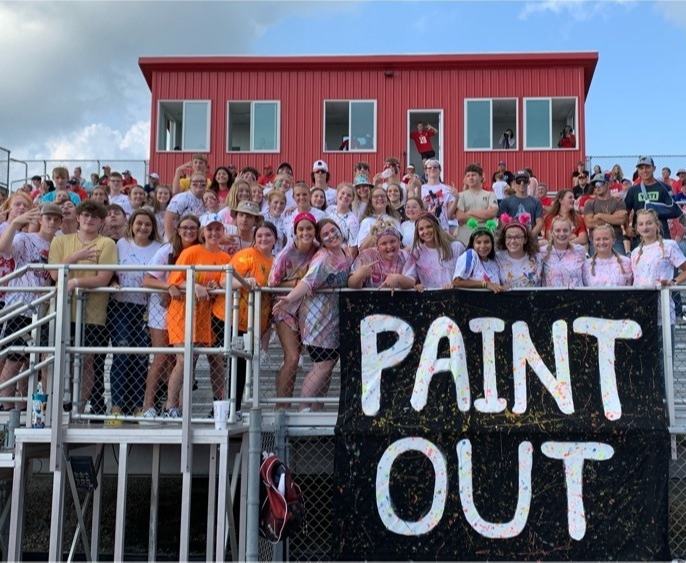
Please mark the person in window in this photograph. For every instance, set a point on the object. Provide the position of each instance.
(567, 138)
(422, 140)
(507, 140)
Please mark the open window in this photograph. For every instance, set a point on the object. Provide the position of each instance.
(546, 118)
(183, 125)
(253, 126)
(350, 125)
(491, 124)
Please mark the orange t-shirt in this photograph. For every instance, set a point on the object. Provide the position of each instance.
(176, 314)
(249, 263)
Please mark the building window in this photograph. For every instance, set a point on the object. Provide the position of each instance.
(491, 124)
(253, 126)
(350, 125)
(183, 126)
(545, 119)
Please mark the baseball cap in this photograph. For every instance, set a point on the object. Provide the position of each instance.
(502, 163)
(681, 171)
(127, 172)
(522, 174)
(155, 175)
(285, 165)
(599, 179)
(51, 209)
(209, 218)
(362, 180)
(645, 160)
(320, 165)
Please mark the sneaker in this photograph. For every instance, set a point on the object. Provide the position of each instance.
(173, 412)
(151, 413)
(116, 413)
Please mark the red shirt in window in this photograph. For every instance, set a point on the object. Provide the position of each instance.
(422, 140)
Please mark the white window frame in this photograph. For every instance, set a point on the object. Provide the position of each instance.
(350, 100)
(553, 136)
(252, 126)
(490, 129)
(183, 148)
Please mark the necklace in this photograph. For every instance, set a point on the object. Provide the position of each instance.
(560, 257)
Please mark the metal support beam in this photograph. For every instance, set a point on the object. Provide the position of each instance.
(61, 337)
(154, 503)
(57, 514)
(211, 504)
(14, 549)
(97, 505)
(253, 479)
(120, 519)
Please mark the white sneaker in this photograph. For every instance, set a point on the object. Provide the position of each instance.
(151, 413)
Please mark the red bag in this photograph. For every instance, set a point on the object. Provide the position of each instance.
(281, 514)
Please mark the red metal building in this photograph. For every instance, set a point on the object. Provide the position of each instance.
(343, 109)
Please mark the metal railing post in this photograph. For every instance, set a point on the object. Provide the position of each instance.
(253, 500)
(253, 387)
(57, 391)
(667, 354)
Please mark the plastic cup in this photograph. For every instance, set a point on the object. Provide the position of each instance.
(221, 414)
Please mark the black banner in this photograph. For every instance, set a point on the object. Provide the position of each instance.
(511, 426)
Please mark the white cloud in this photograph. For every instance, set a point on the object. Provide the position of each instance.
(70, 69)
(99, 139)
(578, 10)
(674, 12)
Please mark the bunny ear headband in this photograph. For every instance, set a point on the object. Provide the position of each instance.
(490, 226)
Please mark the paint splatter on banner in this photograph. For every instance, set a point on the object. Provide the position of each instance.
(510, 426)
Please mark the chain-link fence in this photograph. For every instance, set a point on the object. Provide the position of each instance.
(299, 359)
(628, 164)
(20, 172)
(4, 168)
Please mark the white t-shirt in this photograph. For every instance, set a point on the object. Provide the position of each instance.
(499, 189)
(470, 267)
(28, 248)
(157, 314)
(407, 230)
(185, 203)
(123, 201)
(131, 254)
(347, 222)
(432, 272)
(437, 198)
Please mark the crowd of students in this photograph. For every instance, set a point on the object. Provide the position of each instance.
(374, 232)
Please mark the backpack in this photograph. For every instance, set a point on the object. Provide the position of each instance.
(282, 513)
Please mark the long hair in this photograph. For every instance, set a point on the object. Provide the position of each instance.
(176, 241)
(214, 185)
(531, 246)
(610, 229)
(479, 232)
(156, 205)
(555, 208)
(232, 200)
(442, 240)
(154, 235)
(559, 219)
(653, 214)
(369, 210)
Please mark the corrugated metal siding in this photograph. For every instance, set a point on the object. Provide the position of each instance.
(302, 93)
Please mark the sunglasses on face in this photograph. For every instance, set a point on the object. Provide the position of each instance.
(520, 182)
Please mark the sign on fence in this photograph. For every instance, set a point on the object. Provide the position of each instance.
(510, 426)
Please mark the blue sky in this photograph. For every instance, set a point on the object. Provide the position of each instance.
(87, 99)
